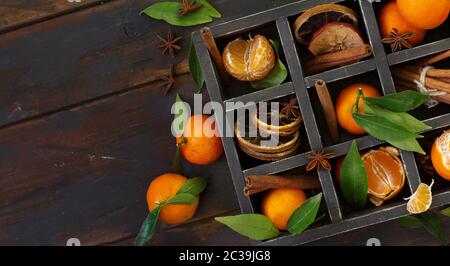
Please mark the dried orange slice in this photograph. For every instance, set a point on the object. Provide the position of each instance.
(315, 18)
(334, 37)
(249, 60)
(385, 174)
(421, 200)
(440, 155)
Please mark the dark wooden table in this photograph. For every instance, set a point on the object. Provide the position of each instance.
(84, 128)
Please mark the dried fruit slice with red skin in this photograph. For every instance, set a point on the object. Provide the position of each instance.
(249, 60)
(314, 18)
(334, 37)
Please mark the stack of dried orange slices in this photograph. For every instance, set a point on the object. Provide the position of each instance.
(270, 136)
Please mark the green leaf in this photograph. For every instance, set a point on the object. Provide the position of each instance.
(304, 215)
(446, 212)
(176, 164)
(354, 184)
(276, 76)
(399, 102)
(194, 186)
(408, 121)
(148, 228)
(169, 12)
(194, 67)
(181, 115)
(211, 10)
(434, 226)
(411, 222)
(383, 129)
(182, 198)
(253, 226)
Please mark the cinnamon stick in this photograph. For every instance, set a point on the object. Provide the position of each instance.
(429, 82)
(438, 73)
(211, 45)
(435, 58)
(328, 109)
(330, 60)
(256, 184)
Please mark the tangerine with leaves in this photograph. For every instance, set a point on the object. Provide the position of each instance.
(390, 21)
(345, 106)
(440, 155)
(279, 204)
(424, 14)
(200, 143)
(163, 188)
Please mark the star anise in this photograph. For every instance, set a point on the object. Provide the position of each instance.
(398, 42)
(169, 44)
(319, 159)
(188, 7)
(168, 80)
(290, 108)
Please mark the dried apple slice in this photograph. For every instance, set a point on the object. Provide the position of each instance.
(315, 18)
(334, 37)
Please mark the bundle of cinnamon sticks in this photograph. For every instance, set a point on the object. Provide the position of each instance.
(435, 80)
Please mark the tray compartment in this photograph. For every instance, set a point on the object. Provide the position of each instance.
(300, 85)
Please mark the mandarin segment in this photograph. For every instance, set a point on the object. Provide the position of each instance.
(385, 173)
(163, 188)
(421, 200)
(249, 60)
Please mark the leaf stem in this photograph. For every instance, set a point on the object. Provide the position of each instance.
(355, 107)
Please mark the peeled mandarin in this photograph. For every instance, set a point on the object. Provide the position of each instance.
(249, 60)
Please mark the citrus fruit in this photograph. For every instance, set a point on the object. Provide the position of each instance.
(421, 200)
(385, 174)
(345, 103)
(424, 14)
(279, 204)
(200, 143)
(249, 60)
(315, 18)
(334, 37)
(390, 19)
(163, 188)
(440, 155)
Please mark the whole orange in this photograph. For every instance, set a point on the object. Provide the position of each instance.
(345, 103)
(200, 143)
(424, 14)
(440, 155)
(279, 204)
(163, 188)
(391, 19)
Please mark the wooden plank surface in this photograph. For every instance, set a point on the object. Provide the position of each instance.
(88, 54)
(87, 132)
(19, 13)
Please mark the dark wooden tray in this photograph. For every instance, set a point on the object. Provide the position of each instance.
(276, 23)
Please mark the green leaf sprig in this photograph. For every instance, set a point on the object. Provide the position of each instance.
(169, 12)
(259, 227)
(354, 182)
(194, 67)
(276, 76)
(185, 195)
(386, 118)
(430, 221)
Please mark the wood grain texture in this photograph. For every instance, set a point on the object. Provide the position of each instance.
(84, 172)
(19, 13)
(88, 54)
